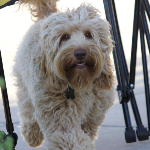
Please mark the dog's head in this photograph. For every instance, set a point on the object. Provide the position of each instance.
(76, 46)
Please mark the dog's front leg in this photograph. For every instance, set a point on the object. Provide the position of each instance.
(60, 125)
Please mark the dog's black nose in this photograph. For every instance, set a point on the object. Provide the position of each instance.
(80, 54)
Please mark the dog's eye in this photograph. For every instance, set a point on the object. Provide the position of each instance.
(65, 37)
(88, 35)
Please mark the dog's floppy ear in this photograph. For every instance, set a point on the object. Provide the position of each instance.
(54, 83)
(106, 78)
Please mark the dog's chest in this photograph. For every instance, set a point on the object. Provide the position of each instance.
(82, 103)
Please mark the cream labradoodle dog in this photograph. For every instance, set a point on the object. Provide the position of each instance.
(64, 53)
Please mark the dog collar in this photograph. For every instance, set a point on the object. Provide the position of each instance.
(70, 93)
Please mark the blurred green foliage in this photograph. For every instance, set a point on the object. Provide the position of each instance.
(2, 83)
(6, 144)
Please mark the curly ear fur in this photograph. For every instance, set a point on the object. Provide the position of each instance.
(104, 81)
(106, 78)
(53, 83)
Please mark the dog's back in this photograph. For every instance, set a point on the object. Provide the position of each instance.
(29, 51)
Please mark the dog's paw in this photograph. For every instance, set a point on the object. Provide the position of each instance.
(32, 134)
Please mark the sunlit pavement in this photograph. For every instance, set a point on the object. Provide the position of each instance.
(13, 25)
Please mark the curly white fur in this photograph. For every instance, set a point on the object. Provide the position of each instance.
(45, 64)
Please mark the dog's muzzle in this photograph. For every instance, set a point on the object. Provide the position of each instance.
(80, 55)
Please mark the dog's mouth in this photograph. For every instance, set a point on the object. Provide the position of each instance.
(80, 65)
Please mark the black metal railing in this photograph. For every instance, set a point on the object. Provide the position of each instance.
(125, 79)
